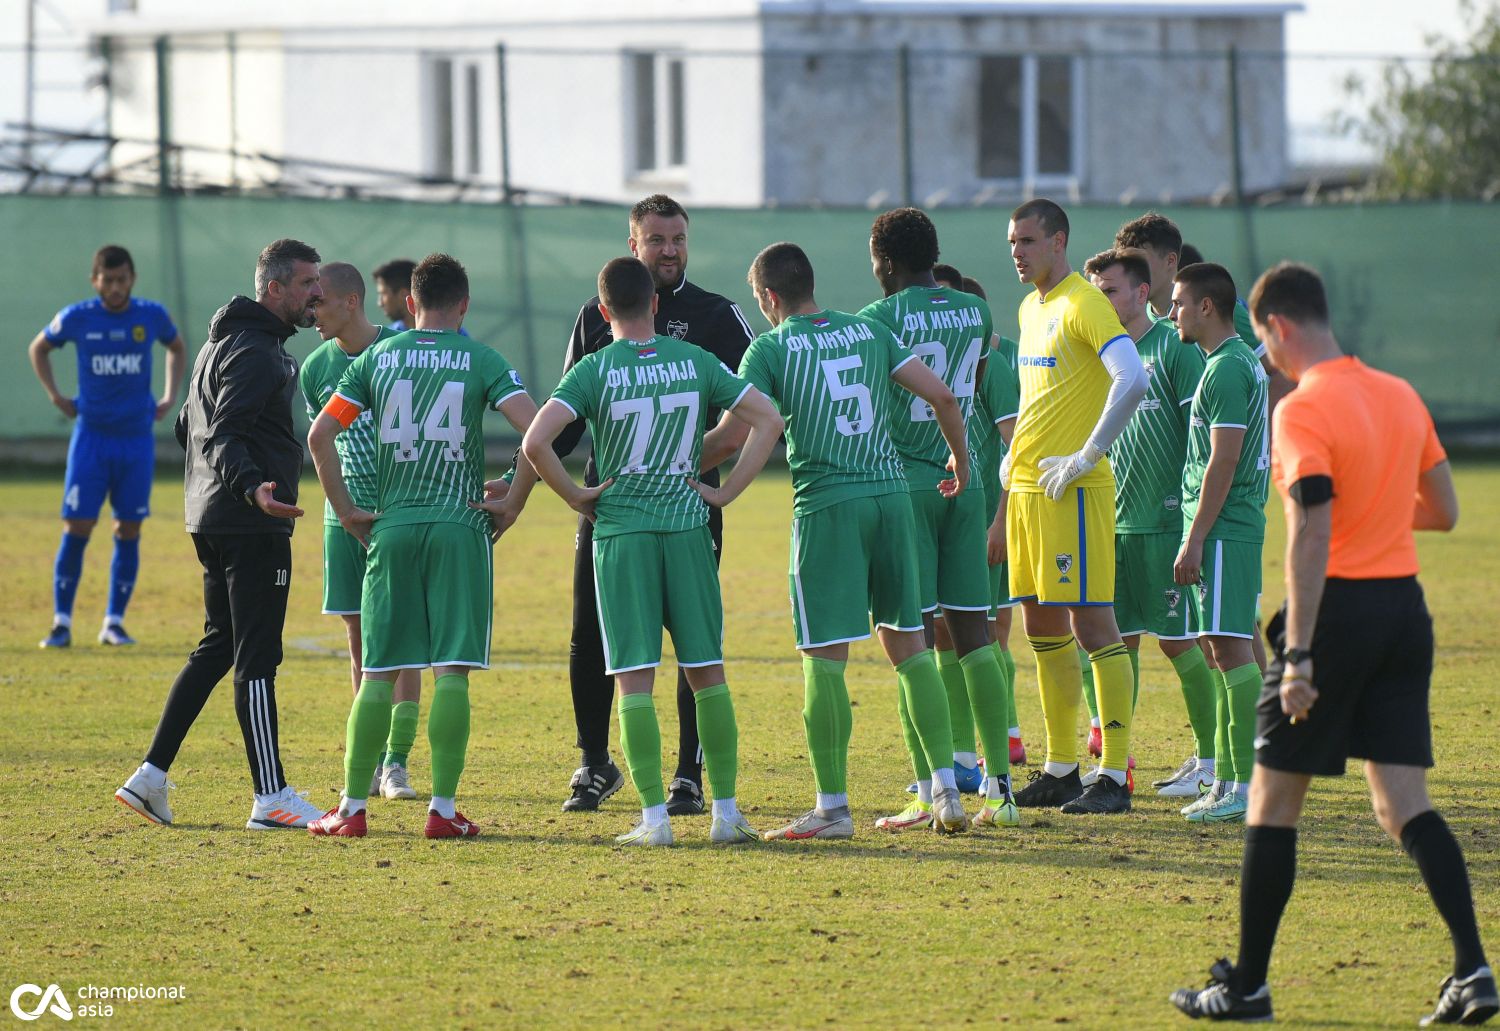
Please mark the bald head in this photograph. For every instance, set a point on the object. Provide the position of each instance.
(342, 279)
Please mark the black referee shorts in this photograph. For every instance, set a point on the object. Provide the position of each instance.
(1372, 667)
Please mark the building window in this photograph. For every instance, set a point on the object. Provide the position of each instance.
(1030, 122)
(658, 112)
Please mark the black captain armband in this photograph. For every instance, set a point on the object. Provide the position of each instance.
(1311, 491)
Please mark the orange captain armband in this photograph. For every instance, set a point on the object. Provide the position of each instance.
(342, 410)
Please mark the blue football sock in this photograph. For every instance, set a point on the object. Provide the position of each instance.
(65, 573)
(122, 573)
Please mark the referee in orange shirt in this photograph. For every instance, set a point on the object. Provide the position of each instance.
(1359, 467)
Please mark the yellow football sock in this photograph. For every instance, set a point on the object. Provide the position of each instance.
(1115, 683)
(1059, 678)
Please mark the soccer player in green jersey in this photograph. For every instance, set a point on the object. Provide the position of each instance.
(645, 398)
(427, 597)
(853, 554)
(346, 332)
(1224, 485)
(949, 330)
(1148, 457)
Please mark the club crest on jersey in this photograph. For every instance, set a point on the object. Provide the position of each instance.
(1150, 366)
(1052, 325)
(1170, 503)
(677, 329)
(1064, 564)
(1174, 598)
(645, 352)
(138, 334)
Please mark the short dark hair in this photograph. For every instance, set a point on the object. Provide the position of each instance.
(1152, 230)
(111, 255)
(1050, 214)
(1291, 290)
(656, 204)
(275, 262)
(1190, 255)
(1205, 279)
(396, 273)
(948, 276)
(439, 282)
(1131, 259)
(784, 268)
(342, 278)
(971, 286)
(906, 238)
(626, 288)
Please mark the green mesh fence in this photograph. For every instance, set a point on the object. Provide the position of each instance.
(1412, 285)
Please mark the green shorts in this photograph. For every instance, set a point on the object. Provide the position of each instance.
(951, 543)
(646, 581)
(1147, 599)
(852, 562)
(428, 597)
(343, 571)
(1000, 589)
(1228, 591)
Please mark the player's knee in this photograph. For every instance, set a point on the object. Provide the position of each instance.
(128, 530)
(80, 527)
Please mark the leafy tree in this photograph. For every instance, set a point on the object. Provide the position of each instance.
(1438, 134)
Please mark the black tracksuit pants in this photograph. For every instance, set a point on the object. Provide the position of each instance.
(593, 690)
(245, 582)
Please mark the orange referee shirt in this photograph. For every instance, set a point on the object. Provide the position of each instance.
(1370, 433)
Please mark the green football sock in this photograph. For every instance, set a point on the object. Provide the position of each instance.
(1224, 764)
(640, 740)
(927, 707)
(448, 733)
(959, 713)
(1090, 698)
(828, 720)
(1008, 664)
(1135, 673)
(1243, 683)
(1112, 679)
(985, 683)
(919, 767)
(403, 734)
(720, 738)
(364, 736)
(1198, 695)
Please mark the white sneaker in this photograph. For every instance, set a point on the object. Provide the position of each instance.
(1208, 798)
(375, 779)
(137, 795)
(1090, 777)
(732, 832)
(113, 634)
(396, 784)
(287, 808)
(645, 834)
(948, 816)
(1190, 785)
(1188, 766)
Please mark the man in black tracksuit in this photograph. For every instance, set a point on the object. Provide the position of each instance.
(658, 236)
(240, 495)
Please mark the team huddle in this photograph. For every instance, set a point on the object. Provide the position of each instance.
(1106, 474)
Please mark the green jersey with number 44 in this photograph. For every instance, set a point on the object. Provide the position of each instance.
(1232, 394)
(1151, 450)
(829, 373)
(319, 378)
(646, 404)
(427, 391)
(949, 330)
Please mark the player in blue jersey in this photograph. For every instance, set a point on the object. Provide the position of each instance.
(112, 451)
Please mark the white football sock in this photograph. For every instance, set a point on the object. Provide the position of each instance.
(350, 806)
(725, 808)
(968, 760)
(654, 815)
(444, 807)
(924, 791)
(945, 778)
(1059, 769)
(828, 802)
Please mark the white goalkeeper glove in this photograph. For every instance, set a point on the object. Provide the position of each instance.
(1059, 471)
(1005, 472)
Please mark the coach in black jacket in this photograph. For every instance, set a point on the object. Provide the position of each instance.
(658, 236)
(240, 486)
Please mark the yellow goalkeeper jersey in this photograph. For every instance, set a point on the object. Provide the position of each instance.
(1063, 381)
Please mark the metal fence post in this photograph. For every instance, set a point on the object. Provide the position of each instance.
(163, 117)
(903, 86)
(505, 194)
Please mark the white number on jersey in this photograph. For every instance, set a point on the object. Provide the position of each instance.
(643, 412)
(443, 423)
(864, 408)
(936, 357)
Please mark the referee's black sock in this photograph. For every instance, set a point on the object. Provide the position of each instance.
(1266, 875)
(1431, 844)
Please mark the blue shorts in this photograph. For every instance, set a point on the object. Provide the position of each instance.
(99, 464)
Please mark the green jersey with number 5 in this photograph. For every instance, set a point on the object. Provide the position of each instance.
(829, 374)
(427, 391)
(949, 330)
(646, 404)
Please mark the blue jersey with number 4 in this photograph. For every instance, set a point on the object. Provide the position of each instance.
(114, 361)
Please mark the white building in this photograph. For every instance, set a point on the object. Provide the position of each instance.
(722, 102)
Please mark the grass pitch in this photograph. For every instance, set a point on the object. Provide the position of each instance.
(542, 922)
